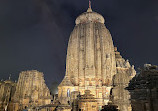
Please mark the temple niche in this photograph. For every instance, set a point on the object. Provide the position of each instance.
(31, 91)
(143, 89)
(7, 90)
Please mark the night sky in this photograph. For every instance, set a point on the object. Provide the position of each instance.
(34, 33)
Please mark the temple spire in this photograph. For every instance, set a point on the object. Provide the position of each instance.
(90, 7)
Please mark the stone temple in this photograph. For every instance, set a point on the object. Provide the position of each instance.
(96, 76)
(93, 63)
(31, 91)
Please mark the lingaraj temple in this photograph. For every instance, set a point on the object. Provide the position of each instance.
(96, 76)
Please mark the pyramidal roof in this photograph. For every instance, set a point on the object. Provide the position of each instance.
(66, 82)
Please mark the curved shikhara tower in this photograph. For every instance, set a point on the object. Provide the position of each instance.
(91, 62)
(90, 56)
(31, 91)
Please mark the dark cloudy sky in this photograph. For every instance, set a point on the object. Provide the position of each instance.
(34, 33)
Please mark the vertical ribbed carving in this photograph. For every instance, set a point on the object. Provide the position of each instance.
(98, 52)
(89, 69)
(90, 60)
(31, 90)
(90, 54)
(81, 55)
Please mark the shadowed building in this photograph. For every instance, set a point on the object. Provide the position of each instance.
(91, 62)
(144, 89)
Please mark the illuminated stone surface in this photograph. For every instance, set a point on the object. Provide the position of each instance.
(125, 72)
(7, 90)
(96, 73)
(87, 102)
(91, 63)
(31, 91)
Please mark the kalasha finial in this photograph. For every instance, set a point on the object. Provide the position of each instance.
(89, 3)
(89, 9)
(10, 76)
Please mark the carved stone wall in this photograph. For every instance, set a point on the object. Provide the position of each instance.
(125, 73)
(87, 102)
(31, 91)
(7, 90)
